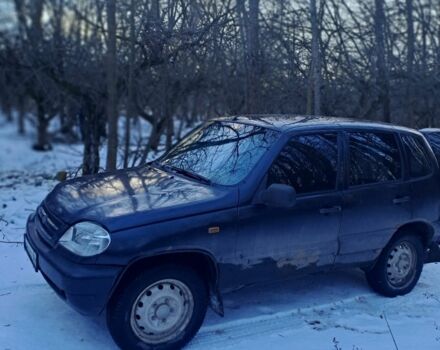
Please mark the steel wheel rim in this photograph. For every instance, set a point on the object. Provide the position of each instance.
(401, 265)
(162, 311)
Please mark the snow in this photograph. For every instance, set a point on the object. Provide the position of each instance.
(335, 310)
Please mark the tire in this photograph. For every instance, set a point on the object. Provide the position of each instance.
(399, 266)
(141, 313)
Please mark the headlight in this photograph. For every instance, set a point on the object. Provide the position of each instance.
(85, 239)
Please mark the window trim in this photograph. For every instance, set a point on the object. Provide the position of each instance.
(339, 164)
(346, 136)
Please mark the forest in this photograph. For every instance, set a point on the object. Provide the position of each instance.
(94, 71)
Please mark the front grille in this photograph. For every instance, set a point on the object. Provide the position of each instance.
(49, 221)
(48, 227)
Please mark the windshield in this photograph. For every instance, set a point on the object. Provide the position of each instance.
(222, 152)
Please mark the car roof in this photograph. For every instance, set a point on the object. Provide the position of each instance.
(429, 130)
(289, 123)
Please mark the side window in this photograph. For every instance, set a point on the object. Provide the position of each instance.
(434, 140)
(374, 157)
(418, 159)
(308, 163)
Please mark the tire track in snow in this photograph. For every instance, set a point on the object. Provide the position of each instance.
(26, 287)
(227, 334)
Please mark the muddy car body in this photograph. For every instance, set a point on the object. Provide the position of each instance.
(280, 195)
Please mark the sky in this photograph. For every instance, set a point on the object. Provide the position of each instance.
(7, 17)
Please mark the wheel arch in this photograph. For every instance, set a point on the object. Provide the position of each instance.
(201, 261)
(422, 228)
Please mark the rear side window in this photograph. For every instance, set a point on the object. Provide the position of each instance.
(308, 163)
(418, 158)
(374, 157)
(434, 141)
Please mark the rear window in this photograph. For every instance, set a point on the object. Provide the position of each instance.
(417, 154)
(374, 157)
(434, 141)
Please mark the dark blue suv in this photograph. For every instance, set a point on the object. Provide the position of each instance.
(239, 200)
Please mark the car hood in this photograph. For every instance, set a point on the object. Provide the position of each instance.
(135, 197)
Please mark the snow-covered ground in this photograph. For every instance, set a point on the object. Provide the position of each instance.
(335, 310)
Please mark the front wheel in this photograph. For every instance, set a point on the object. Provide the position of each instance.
(161, 309)
(399, 267)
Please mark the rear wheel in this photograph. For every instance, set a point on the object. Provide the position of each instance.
(162, 309)
(398, 268)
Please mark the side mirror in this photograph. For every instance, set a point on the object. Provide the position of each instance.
(279, 196)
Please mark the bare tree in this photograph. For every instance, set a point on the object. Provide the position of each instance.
(131, 109)
(382, 76)
(169, 64)
(112, 112)
(409, 61)
(315, 71)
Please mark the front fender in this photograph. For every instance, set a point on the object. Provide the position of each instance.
(201, 261)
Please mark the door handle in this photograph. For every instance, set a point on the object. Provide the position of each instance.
(400, 200)
(330, 210)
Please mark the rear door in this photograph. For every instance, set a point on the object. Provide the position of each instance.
(377, 199)
(274, 241)
(423, 179)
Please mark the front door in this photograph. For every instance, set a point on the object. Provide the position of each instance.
(274, 241)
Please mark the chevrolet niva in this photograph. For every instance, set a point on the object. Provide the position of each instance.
(239, 200)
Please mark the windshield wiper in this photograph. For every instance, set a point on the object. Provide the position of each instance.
(182, 172)
(191, 175)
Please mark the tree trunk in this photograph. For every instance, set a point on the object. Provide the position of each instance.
(409, 63)
(170, 132)
(155, 11)
(253, 105)
(425, 74)
(382, 76)
(309, 102)
(36, 34)
(130, 98)
(7, 109)
(154, 140)
(90, 130)
(42, 125)
(242, 16)
(249, 29)
(112, 113)
(316, 59)
(21, 115)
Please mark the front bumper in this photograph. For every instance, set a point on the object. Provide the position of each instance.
(86, 287)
